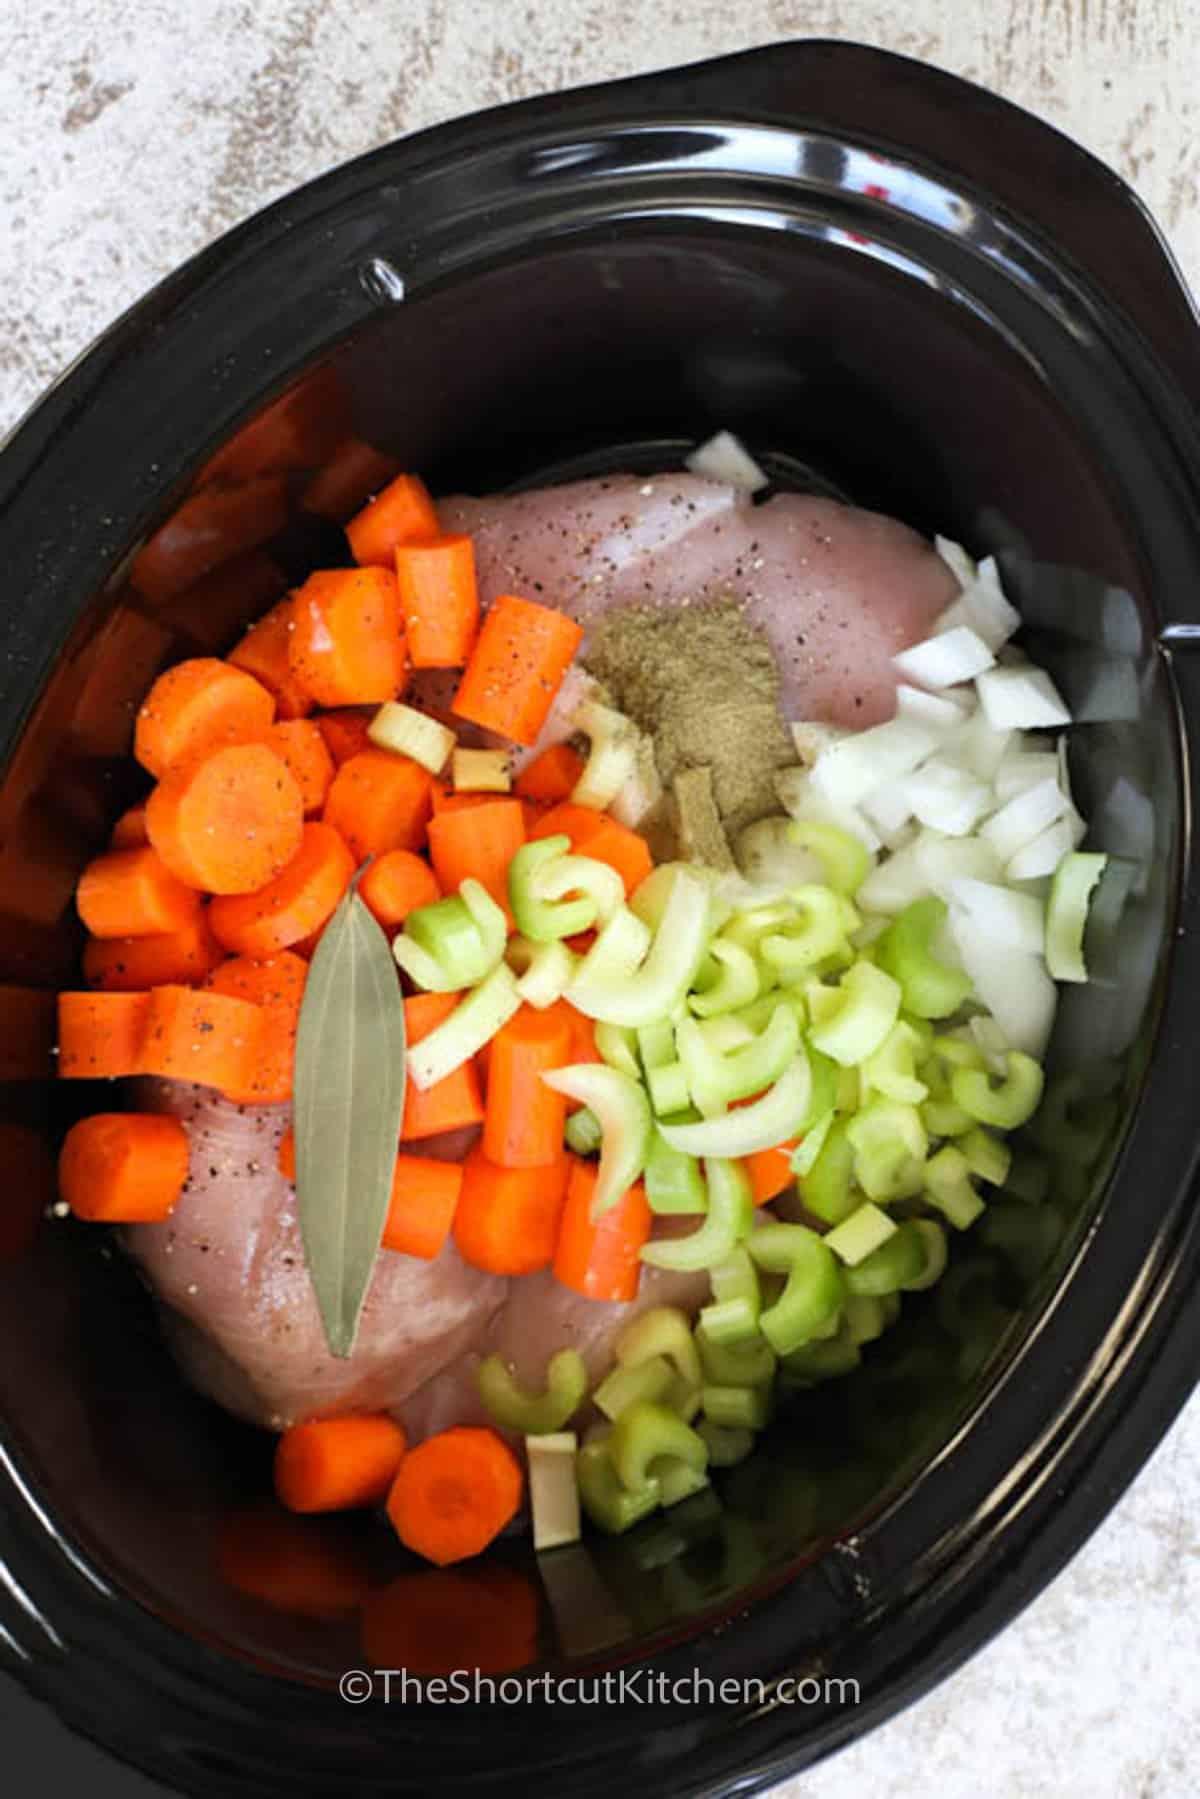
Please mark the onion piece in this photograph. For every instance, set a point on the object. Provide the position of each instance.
(1020, 698)
(946, 659)
(1024, 818)
(847, 771)
(942, 711)
(1024, 769)
(800, 800)
(1013, 987)
(1041, 857)
(946, 798)
(983, 608)
(724, 457)
(1015, 919)
(961, 566)
(944, 860)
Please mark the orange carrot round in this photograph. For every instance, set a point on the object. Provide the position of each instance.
(524, 1118)
(132, 893)
(338, 1464)
(452, 1104)
(304, 753)
(347, 644)
(100, 1035)
(601, 1259)
(263, 653)
(439, 600)
(276, 986)
(308, 1567)
(124, 1167)
(440, 1619)
(425, 1194)
(300, 900)
(227, 824)
(129, 832)
(207, 1038)
(180, 958)
(517, 667)
(455, 1493)
(770, 1171)
(345, 731)
(479, 842)
(197, 707)
(397, 883)
(380, 802)
(402, 513)
(508, 1218)
(550, 777)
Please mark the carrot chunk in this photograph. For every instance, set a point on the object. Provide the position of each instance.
(598, 835)
(441, 1619)
(129, 832)
(524, 1118)
(100, 1035)
(264, 653)
(508, 1218)
(207, 1038)
(197, 707)
(550, 777)
(180, 958)
(347, 646)
(303, 751)
(402, 513)
(397, 883)
(345, 731)
(439, 600)
(516, 668)
(132, 893)
(338, 1464)
(601, 1260)
(770, 1171)
(451, 1104)
(425, 1193)
(124, 1167)
(300, 900)
(454, 1494)
(479, 842)
(380, 802)
(227, 824)
(276, 985)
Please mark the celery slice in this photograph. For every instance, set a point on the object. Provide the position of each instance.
(406, 732)
(661, 983)
(931, 988)
(858, 1236)
(737, 1299)
(750, 1363)
(845, 860)
(1071, 890)
(662, 1331)
(1006, 1104)
(814, 1290)
(618, 1047)
(672, 1180)
(729, 1218)
(737, 1408)
(948, 1186)
(735, 982)
(715, 1081)
(549, 973)
(553, 1489)
(582, 1132)
(816, 929)
(626, 1386)
(512, 1407)
(827, 1186)
(669, 1089)
(869, 1003)
(767, 1122)
(890, 1145)
(473, 1022)
(454, 942)
(895, 1265)
(626, 1123)
(608, 1503)
(643, 1435)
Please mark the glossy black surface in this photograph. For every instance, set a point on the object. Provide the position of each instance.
(947, 312)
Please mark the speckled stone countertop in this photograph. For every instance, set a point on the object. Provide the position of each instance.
(136, 130)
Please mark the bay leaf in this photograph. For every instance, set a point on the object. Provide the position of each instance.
(349, 1107)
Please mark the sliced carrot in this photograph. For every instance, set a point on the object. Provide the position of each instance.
(396, 884)
(345, 731)
(228, 824)
(452, 1104)
(132, 893)
(601, 1260)
(197, 707)
(308, 1567)
(402, 513)
(550, 777)
(439, 600)
(264, 653)
(207, 1038)
(303, 751)
(129, 832)
(508, 1218)
(425, 1193)
(300, 900)
(441, 1619)
(354, 470)
(100, 1035)
(338, 1464)
(770, 1171)
(276, 985)
(516, 668)
(446, 800)
(599, 836)
(454, 1494)
(524, 1118)
(479, 843)
(124, 1167)
(380, 802)
(182, 958)
(347, 643)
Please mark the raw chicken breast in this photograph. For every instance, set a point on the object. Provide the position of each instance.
(229, 1266)
(837, 591)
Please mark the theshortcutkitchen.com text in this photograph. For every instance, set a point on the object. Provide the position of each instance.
(631, 1686)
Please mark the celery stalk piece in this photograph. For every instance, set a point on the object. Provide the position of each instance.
(512, 1407)
(823, 1360)
(626, 1123)
(678, 1482)
(864, 1318)
(737, 1408)
(626, 1386)
(988, 1159)
(612, 760)
(767, 1122)
(673, 1182)
(730, 1320)
(894, 1266)
(715, 1081)
(725, 1447)
(618, 1047)
(406, 732)
(815, 929)
(610, 1505)
(454, 942)
(662, 981)
(655, 1043)
(734, 983)
(473, 1022)
(729, 1218)
(582, 1132)
(662, 1331)
(892, 1070)
(890, 1145)
(556, 881)
(618, 951)
(869, 1004)
(827, 1184)
(643, 1434)
(814, 1290)
(750, 1363)
(553, 1489)
(1067, 913)
(1010, 1103)
(540, 877)
(669, 1091)
(948, 1187)
(856, 1237)
(933, 1240)
(931, 988)
(737, 1299)
(549, 973)
(845, 860)
(807, 1151)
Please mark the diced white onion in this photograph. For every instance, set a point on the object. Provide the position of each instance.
(894, 884)
(847, 771)
(724, 457)
(798, 797)
(1042, 856)
(940, 710)
(944, 860)
(978, 747)
(961, 566)
(1020, 698)
(1015, 919)
(1013, 987)
(947, 798)
(959, 654)
(983, 608)
(1018, 773)
(889, 810)
(990, 1040)
(1024, 818)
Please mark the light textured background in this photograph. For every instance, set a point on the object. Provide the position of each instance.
(136, 130)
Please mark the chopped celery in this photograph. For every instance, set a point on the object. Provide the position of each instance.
(931, 988)
(625, 1122)
(613, 741)
(892, 1070)
(626, 1386)
(553, 1489)
(823, 1096)
(618, 1047)
(737, 1408)
(737, 1299)
(643, 1434)
(1007, 1104)
(806, 1152)
(716, 1080)
(748, 1364)
(864, 1317)
(815, 929)
(890, 1145)
(939, 1114)
(948, 1187)
(748, 927)
(663, 979)
(858, 1236)
(547, 975)
(957, 1051)
(845, 860)
(763, 1124)
(406, 732)
(649, 900)
(729, 1320)
(582, 1132)
(730, 1216)
(669, 1089)
(473, 1022)
(814, 1362)
(677, 1481)
(933, 1239)
(454, 942)
(735, 981)
(726, 1447)
(662, 1331)
(672, 1180)
(533, 1414)
(827, 1188)
(896, 1264)
(554, 894)
(656, 1043)
(608, 1503)
(619, 948)
(814, 1288)
(1067, 913)
(987, 1157)
(869, 1002)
